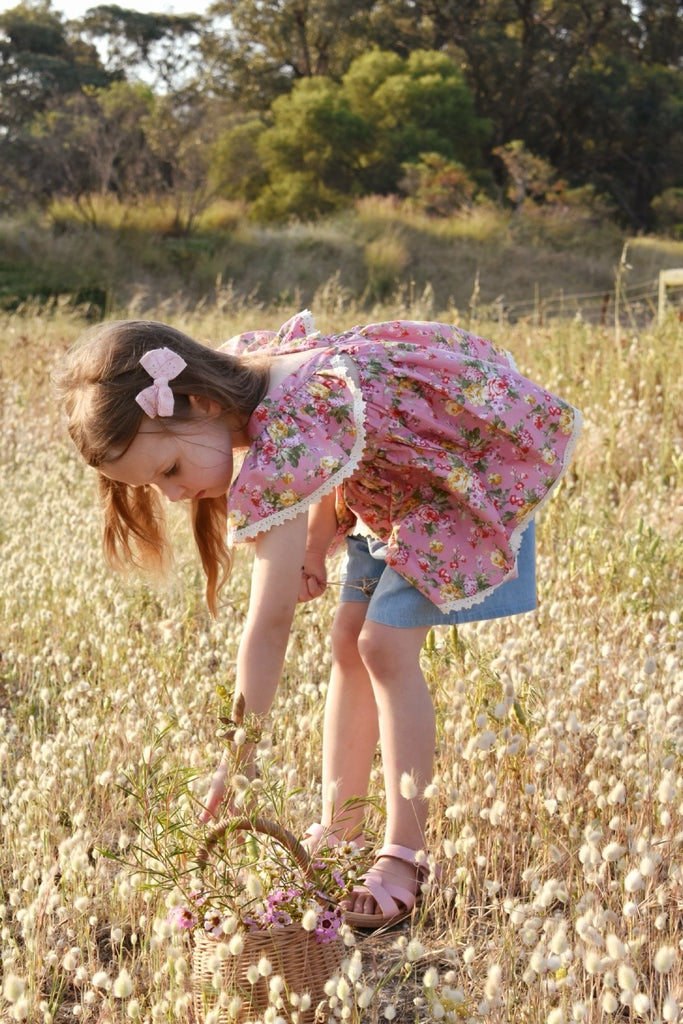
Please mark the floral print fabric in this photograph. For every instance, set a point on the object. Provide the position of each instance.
(432, 439)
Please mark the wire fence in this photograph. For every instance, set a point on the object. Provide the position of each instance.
(635, 304)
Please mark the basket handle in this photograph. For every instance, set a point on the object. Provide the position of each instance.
(264, 826)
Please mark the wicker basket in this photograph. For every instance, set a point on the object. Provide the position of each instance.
(304, 964)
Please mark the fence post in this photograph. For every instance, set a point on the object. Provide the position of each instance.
(667, 278)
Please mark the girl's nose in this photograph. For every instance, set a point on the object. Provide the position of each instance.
(170, 490)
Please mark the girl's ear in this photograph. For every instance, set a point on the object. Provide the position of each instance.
(205, 407)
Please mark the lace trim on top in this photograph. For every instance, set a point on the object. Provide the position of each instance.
(340, 363)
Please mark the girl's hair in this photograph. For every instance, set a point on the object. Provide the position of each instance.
(97, 382)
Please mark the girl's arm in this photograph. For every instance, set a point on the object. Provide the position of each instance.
(322, 527)
(278, 557)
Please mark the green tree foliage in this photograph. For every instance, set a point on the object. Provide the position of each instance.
(90, 143)
(182, 132)
(163, 46)
(237, 165)
(625, 133)
(38, 62)
(412, 105)
(660, 39)
(316, 101)
(311, 151)
(353, 138)
(264, 47)
(437, 186)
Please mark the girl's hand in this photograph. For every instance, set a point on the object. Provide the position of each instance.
(216, 794)
(313, 576)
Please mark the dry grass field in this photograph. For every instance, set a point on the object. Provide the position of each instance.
(557, 802)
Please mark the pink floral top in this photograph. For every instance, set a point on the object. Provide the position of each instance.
(431, 438)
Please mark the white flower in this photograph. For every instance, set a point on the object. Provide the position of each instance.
(123, 985)
(641, 1003)
(252, 974)
(430, 978)
(13, 988)
(664, 959)
(617, 794)
(101, 980)
(21, 1008)
(634, 881)
(626, 977)
(236, 944)
(309, 920)
(365, 997)
(610, 1003)
(615, 947)
(557, 1016)
(670, 1009)
(414, 950)
(264, 967)
(253, 886)
(133, 1009)
(408, 786)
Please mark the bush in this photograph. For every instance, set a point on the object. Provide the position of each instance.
(437, 186)
(668, 211)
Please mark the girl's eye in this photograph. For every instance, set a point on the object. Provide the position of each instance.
(172, 470)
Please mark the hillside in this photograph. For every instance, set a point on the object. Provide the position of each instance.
(535, 263)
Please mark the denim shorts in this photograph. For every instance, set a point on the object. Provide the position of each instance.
(393, 601)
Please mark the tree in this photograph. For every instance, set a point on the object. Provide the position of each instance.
(437, 186)
(414, 105)
(271, 44)
(91, 143)
(625, 133)
(38, 62)
(182, 131)
(163, 46)
(661, 32)
(311, 151)
(353, 138)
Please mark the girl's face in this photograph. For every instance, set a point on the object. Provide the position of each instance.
(193, 460)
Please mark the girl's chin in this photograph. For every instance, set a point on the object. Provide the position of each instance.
(211, 492)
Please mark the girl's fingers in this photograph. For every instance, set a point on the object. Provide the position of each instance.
(214, 797)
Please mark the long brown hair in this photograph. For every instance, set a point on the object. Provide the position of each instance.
(97, 381)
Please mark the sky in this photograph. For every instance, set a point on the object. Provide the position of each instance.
(77, 8)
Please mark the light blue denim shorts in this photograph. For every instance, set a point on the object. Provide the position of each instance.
(393, 601)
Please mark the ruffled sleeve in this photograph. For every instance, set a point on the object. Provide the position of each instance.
(307, 438)
(296, 334)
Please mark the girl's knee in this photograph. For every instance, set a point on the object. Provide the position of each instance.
(346, 628)
(386, 650)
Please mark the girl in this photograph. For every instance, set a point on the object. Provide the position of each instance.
(419, 445)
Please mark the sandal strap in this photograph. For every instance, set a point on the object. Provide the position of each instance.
(403, 853)
(387, 895)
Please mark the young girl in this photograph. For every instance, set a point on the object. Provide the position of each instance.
(419, 445)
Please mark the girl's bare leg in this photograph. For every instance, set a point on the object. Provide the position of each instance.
(350, 730)
(407, 734)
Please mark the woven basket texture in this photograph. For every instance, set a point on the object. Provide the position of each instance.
(304, 965)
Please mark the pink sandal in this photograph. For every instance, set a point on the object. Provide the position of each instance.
(395, 902)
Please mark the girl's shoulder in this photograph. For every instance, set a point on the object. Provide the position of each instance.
(298, 334)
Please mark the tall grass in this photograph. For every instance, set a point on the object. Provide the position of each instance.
(377, 251)
(557, 800)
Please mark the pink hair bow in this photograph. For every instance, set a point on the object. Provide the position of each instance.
(162, 364)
